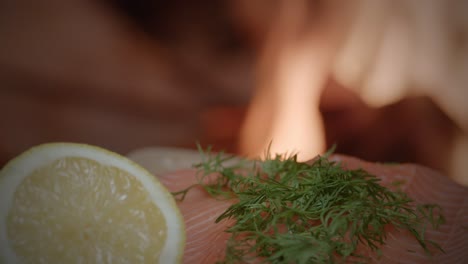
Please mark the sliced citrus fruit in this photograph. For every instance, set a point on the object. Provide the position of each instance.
(74, 203)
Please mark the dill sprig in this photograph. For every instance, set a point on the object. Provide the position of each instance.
(287, 211)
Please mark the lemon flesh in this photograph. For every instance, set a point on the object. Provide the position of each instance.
(69, 203)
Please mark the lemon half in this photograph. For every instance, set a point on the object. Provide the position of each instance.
(75, 203)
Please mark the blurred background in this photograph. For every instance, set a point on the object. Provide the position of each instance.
(389, 77)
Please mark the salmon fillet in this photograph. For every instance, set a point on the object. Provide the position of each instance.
(206, 240)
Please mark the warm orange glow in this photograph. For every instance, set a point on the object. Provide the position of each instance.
(284, 116)
(297, 127)
(291, 101)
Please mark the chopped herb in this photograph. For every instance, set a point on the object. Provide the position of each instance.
(287, 211)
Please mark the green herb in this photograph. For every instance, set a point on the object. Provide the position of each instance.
(287, 211)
